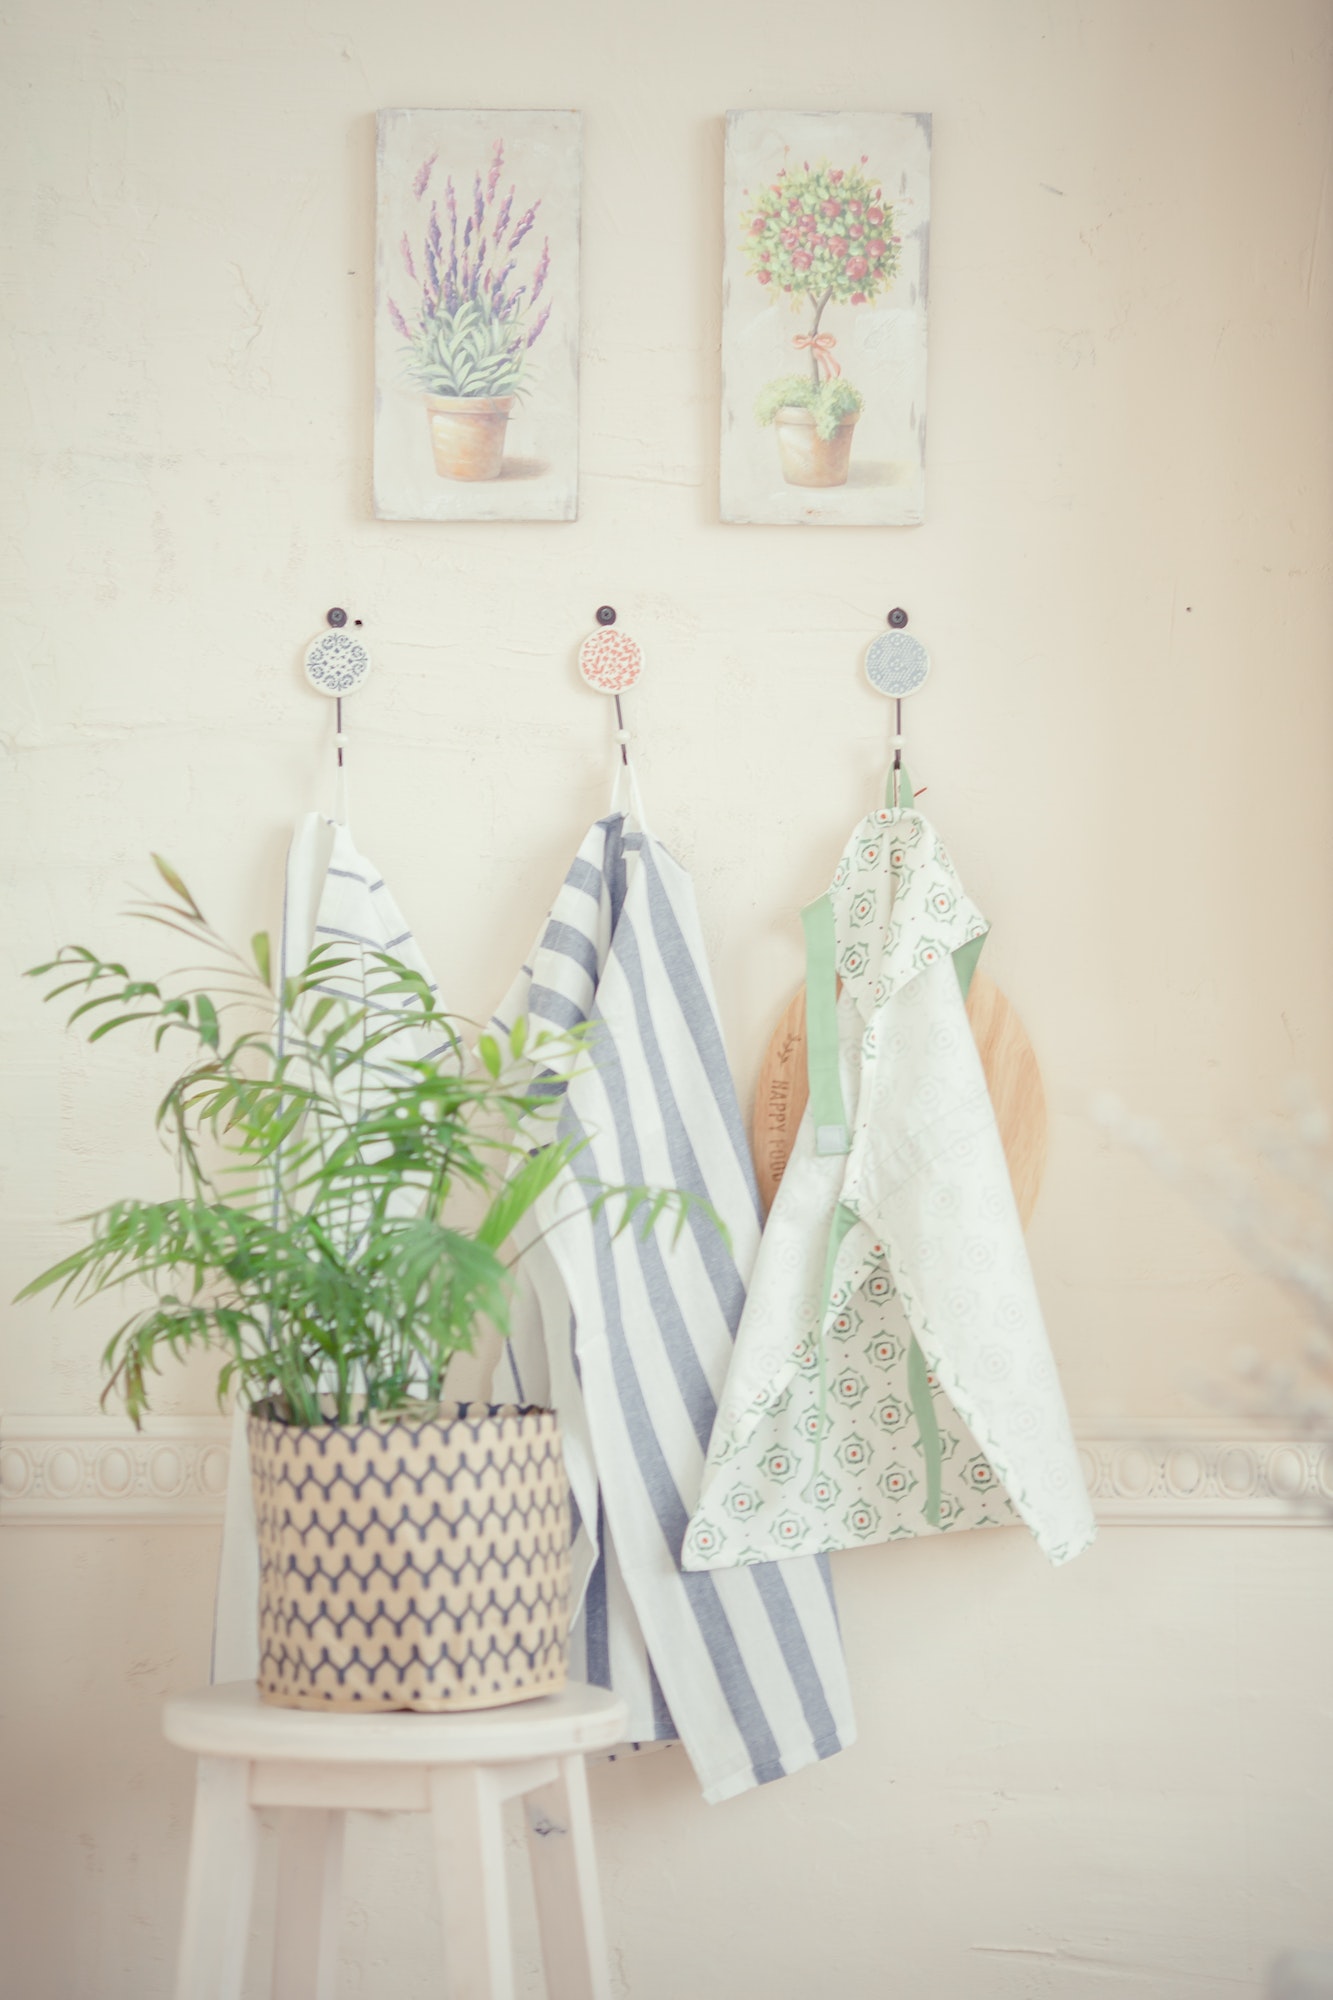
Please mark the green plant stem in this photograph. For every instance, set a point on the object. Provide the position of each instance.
(814, 335)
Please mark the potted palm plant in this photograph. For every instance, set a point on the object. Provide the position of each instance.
(474, 320)
(825, 236)
(414, 1553)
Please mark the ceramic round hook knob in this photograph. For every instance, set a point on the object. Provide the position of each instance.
(610, 660)
(896, 664)
(337, 662)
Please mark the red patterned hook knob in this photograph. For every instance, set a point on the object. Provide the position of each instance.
(609, 660)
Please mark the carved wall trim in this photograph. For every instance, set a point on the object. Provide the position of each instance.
(100, 1470)
(1141, 1471)
(1206, 1472)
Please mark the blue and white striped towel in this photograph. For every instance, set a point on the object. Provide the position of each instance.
(333, 896)
(630, 1340)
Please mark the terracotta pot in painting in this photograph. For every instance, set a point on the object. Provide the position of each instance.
(808, 459)
(419, 1564)
(467, 434)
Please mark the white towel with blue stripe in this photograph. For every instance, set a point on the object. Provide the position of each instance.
(629, 1338)
(334, 896)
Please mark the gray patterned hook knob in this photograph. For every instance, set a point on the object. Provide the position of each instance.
(896, 663)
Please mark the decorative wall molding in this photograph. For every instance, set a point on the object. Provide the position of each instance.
(1142, 1472)
(1225, 1472)
(100, 1470)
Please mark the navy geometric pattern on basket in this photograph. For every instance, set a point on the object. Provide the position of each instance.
(413, 1565)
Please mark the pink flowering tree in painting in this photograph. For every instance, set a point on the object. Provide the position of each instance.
(820, 237)
(474, 308)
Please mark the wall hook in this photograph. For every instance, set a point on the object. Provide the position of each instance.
(896, 665)
(337, 664)
(611, 662)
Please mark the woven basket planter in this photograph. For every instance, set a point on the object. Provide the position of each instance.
(412, 1565)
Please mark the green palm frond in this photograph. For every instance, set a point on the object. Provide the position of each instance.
(312, 1243)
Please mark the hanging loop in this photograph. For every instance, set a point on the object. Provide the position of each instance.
(626, 797)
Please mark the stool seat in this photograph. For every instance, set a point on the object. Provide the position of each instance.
(231, 1721)
(461, 1769)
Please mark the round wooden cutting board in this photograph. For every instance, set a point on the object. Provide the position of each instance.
(1012, 1077)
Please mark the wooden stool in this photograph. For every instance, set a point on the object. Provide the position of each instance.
(459, 1768)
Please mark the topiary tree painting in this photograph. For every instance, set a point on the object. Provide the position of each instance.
(820, 236)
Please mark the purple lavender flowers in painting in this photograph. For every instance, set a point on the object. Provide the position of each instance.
(473, 322)
(524, 226)
(430, 291)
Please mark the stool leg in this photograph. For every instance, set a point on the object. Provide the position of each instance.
(466, 1823)
(219, 1883)
(305, 1940)
(564, 1878)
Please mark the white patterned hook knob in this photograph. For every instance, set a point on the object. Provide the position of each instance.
(337, 663)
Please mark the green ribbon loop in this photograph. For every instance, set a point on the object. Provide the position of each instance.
(965, 961)
(927, 1423)
(898, 793)
(843, 1218)
(832, 1135)
(827, 1109)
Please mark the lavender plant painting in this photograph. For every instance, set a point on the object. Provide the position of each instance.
(825, 266)
(477, 315)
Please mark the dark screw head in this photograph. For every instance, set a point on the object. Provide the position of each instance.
(606, 614)
(336, 617)
(898, 618)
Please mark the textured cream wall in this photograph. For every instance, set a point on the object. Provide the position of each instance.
(1102, 1782)
(1106, 1784)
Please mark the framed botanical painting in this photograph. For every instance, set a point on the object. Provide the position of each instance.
(827, 233)
(477, 315)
